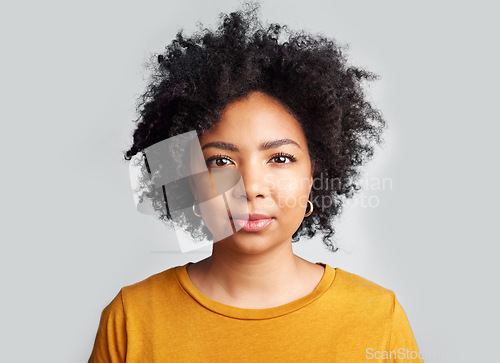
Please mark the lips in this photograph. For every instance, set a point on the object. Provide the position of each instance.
(251, 216)
(253, 222)
(252, 226)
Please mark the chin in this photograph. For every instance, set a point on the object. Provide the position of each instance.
(248, 243)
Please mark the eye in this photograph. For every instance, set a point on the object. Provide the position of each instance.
(283, 158)
(218, 161)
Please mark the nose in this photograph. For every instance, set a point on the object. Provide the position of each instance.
(255, 181)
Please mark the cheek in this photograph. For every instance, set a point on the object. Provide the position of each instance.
(292, 192)
(214, 214)
(292, 202)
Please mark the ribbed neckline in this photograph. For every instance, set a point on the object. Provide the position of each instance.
(254, 314)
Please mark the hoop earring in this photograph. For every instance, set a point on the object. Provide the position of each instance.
(194, 210)
(312, 208)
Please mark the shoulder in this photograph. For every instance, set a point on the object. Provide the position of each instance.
(359, 284)
(161, 286)
(362, 294)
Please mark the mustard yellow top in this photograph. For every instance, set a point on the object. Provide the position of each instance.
(164, 318)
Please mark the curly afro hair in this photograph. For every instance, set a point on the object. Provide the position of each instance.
(199, 75)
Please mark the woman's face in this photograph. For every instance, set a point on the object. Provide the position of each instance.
(260, 139)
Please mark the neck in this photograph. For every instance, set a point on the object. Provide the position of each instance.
(252, 279)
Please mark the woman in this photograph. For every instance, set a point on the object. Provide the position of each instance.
(277, 114)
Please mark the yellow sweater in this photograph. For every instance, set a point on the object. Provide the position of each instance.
(164, 318)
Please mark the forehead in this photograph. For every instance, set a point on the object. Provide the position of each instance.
(255, 119)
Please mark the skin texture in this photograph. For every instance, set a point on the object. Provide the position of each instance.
(259, 270)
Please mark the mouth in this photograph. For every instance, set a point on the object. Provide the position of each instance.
(252, 226)
(252, 222)
(251, 216)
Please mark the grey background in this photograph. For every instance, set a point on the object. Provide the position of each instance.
(71, 238)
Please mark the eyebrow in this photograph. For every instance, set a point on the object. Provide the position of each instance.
(264, 146)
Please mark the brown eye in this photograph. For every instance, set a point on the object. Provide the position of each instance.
(218, 161)
(283, 158)
(280, 159)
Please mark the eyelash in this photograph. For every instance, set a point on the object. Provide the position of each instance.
(277, 155)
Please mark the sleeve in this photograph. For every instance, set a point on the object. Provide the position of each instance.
(402, 340)
(110, 344)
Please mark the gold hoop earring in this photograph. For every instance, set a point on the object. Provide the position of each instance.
(312, 208)
(194, 210)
